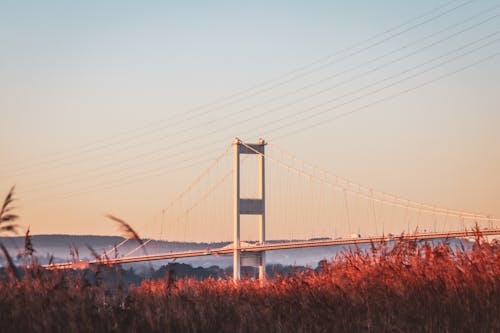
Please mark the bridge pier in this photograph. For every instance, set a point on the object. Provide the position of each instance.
(253, 206)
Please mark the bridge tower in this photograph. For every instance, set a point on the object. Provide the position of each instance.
(249, 206)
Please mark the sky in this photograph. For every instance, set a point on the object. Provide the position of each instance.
(117, 106)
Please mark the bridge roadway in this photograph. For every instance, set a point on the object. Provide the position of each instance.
(270, 247)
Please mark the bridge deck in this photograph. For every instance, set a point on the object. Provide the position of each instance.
(270, 247)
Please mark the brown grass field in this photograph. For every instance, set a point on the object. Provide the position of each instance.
(405, 288)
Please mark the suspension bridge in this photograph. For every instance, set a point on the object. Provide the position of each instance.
(293, 205)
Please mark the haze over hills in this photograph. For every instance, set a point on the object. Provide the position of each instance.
(60, 248)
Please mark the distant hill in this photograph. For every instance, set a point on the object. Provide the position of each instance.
(41, 241)
(58, 247)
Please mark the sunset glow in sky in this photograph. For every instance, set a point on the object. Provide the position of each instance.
(116, 106)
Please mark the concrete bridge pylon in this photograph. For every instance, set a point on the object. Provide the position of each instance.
(249, 206)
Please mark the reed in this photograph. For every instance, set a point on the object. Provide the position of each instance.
(403, 288)
(406, 287)
(7, 218)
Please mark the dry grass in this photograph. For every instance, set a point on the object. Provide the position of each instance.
(401, 288)
(405, 288)
(7, 218)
